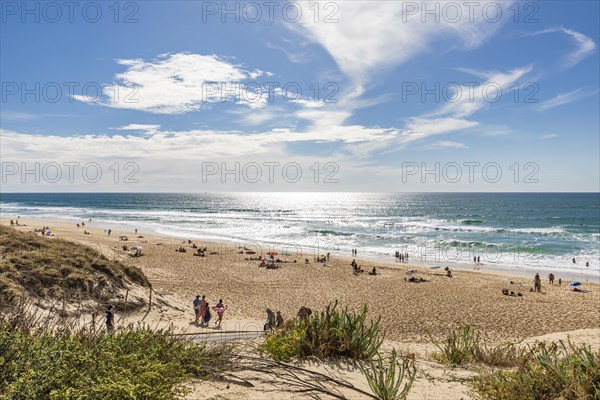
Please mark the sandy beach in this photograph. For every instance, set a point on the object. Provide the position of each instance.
(410, 312)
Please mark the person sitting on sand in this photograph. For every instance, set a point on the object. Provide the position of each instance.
(551, 278)
(262, 264)
(373, 271)
(279, 319)
(306, 261)
(86, 233)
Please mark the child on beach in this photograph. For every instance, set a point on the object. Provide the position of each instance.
(207, 315)
(220, 310)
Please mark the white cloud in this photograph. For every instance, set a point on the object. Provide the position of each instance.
(138, 127)
(445, 144)
(548, 136)
(466, 100)
(180, 83)
(566, 98)
(585, 45)
(373, 35)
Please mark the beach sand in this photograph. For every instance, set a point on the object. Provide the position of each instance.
(410, 312)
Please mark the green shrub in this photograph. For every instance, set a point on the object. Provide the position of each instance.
(284, 344)
(131, 364)
(386, 381)
(548, 371)
(464, 345)
(460, 347)
(332, 333)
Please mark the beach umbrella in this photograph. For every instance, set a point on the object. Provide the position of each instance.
(250, 252)
(411, 272)
(272, 253)
(575, 283)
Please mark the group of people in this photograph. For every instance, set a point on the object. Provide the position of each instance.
(356, 269)
(402, 257)
(202, 311)
(354, 252)
(273, 321)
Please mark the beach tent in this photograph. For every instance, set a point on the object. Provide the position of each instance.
(575, 283)
(411, 272)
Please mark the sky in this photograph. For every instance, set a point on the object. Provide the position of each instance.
(377, 96)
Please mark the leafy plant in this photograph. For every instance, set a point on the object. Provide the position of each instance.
(548, 371)
(385, 379)
(332, 333)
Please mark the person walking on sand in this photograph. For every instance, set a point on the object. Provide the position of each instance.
(220, 310)
(537, 283)
(197, 308)
(551, 278)
(279, 319)
(110, 320)
(202, 309)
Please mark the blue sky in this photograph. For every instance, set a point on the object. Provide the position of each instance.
(375, 93)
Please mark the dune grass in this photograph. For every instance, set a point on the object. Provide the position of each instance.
(33, 266)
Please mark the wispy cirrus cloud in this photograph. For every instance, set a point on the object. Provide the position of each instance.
(585, 46)
(566, 98)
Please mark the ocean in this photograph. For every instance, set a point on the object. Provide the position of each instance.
(512, 231)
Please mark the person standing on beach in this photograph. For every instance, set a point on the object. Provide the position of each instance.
(551, 278)
(202, 309)
(110, 320)
(220, 310)
(279, 319)
(197, 307)
(537, 283)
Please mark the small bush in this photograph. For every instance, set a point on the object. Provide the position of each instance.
(548, 371)
(284, 344)
(39, 363)
(460, 347)
(464, 345)
(386, 381)
(331, 333)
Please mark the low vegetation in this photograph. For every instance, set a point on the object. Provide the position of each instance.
(548, 371)
(50, 268)
(332, 333)
(387, 379)
(61, 363)
(464, 345)
(543, 371)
